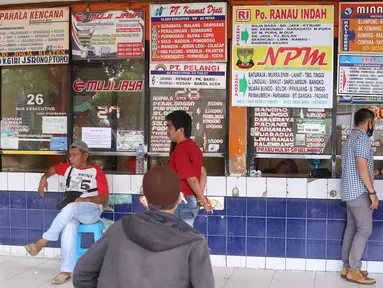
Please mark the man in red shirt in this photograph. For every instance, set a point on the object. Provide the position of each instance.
(187, 160)
(83, 180)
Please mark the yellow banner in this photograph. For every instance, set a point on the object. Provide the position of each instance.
(250, 58)
(283, 14)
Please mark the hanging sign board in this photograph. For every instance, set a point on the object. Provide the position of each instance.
(194, 75)
(108, 35)
(188, 32)
(283, 56)
(360, 75)
(34, 36)
(361, 27)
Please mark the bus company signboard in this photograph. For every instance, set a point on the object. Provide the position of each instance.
(108, 35)
(34, 36)
(283, 56)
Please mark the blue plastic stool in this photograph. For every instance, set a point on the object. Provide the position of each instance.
(95, 228)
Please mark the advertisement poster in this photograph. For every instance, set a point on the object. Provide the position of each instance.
(129, 140)
(276, 130)
(360, 75)
(34, 36)
(188, 32)
(195, 75)
(207, 109)
(108, 35)
(283, 56)
(361, 27)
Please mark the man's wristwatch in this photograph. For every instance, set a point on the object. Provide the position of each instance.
(372, 193)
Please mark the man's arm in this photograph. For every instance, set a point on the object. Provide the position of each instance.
(203, 179)
(201, 272)
(364, 174)
(196, 186)
(43, 185)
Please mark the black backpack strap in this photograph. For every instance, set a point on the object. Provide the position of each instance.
(67, 181)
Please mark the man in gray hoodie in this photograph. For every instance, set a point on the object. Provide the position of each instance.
(149, 250)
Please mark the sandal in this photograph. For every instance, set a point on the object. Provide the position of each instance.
(60, 279)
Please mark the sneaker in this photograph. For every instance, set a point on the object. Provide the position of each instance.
(344, 272)
(356, 276)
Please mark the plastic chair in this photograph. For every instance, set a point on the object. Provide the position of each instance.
(95, 228)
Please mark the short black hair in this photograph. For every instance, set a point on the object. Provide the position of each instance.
(181, 119)
(363, 115)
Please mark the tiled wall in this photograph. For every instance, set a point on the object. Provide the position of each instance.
(274, 223)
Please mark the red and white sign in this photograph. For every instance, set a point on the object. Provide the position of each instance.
(188, 32)
(108, 86)
(195, 75)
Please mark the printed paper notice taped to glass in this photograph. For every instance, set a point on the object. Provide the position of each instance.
(34, 36)
(360, 75)
(360, 27)
(188, 32)
(103, 35)
(283, 56)
(207, 109)
(193, 75)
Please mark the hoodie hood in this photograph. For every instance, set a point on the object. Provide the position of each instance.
(158, 231)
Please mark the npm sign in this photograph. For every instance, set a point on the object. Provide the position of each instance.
(243, 15)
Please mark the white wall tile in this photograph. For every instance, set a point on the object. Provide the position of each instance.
(276, 263)
(5, 250)
(121, 184)
(218, 260)
(378, 185)
(334, 185)
(295, 264)
(315, 265)
(109, 178)
(256, 186)
(334, 265)
(317, 189)
(256, 262)
(3, 181)
(276, 187)
(32, 181)
(216, 186)
(136, 184)
(236, 182)
(297, 188)
(52, 252)
(18, 251)
(236, 261)
(374, 267)
(53, 183)
(16, 181)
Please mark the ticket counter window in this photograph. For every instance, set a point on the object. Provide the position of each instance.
(290, 131)
(34, 107)
(345, 123)
(108, 105)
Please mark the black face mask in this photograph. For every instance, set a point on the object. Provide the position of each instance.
(370, 131)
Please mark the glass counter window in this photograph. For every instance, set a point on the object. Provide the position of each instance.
(108, 105)
(34, 107)
(290, 131)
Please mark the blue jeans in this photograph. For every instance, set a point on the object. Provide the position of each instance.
(188, 212)
(66, 223)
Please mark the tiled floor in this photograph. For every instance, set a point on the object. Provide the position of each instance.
(23, 272)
